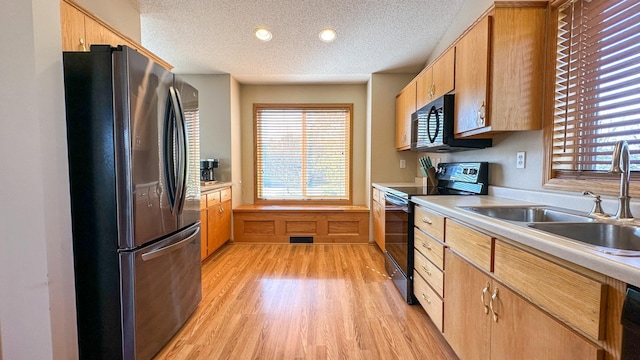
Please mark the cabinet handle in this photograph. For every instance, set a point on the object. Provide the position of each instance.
(426, 220)
(221, 209)
(485, 290)
(494, 296)
(426, 298)
(84, 46)
(425, 245)
(432, 90)
(426, 270)
(481, 112)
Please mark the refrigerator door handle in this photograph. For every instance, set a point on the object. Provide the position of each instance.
(173, 154)
(183, 146)
(163, 250)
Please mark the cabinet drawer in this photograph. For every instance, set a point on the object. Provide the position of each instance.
(429, 222)
(572, 297)
(429, 247)
(225, 194)
(213, 198)
(203, 202)
(429, 300)
(431, 273)
(471, 244)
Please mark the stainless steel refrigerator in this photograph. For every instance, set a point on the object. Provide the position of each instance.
(132, 133)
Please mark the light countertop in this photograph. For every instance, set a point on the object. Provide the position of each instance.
(623, 268)
(216, 186)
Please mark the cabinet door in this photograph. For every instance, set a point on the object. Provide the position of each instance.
(378, 224)
(522, 331)
(224, 223)
(203, 234)
(97, 35)
(443, 74)
(466, 319)
(472, 73)
(405, 106)
(424, 87)
(72, 22)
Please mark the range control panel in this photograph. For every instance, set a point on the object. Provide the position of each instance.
(471, 177)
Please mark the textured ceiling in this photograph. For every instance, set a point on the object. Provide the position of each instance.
(216, 36)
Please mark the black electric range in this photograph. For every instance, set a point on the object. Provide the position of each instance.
(468, 178)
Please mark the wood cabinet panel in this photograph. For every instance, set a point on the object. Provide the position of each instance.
(431, 248)
(499, 67)
(475, 246)
(204, 232)
(433, 275)
(72, 22)
(217, 219)
(80, 29)
(430, 222)
(436, 80)
(405, 106)
(444, 74)
(484, 319)
(466, 319)
(378, 225)
(429, 300)
(472, 78)
(574, 298)
(539, 336)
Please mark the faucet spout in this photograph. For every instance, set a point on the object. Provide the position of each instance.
(620, 165)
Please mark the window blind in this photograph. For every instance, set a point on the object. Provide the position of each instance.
(303, 152)
(597, 86)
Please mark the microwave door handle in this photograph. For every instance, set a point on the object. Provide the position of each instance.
(433, 111)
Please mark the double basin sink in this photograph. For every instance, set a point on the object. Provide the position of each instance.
(606, 235)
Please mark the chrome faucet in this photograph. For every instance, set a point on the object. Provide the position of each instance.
(620, 165)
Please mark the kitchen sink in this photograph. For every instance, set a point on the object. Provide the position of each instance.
(616, 239)
(529, 214)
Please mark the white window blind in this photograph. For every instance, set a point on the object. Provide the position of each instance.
(597, 86)
(303, 152)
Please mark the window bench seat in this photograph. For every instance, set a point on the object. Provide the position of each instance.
(283, 224)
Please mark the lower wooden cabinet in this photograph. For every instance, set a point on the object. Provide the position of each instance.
(483, 319)
(215, 220)
(378, 218)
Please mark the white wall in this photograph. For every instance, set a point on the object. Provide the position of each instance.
(356, 94)
(236, 144)
(118, 13)
(37, 306)
(214, 97)
(385, 160)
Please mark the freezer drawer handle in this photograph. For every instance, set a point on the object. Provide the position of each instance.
(167, 249)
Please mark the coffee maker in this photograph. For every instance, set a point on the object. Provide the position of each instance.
(206, 169)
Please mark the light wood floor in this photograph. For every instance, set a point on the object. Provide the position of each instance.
(310, 301)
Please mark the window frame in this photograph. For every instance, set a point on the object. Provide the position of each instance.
(260, 201)
(600, 183)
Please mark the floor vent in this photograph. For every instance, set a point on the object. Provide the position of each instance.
(301, 239)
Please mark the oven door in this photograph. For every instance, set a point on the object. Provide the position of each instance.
(398, 243)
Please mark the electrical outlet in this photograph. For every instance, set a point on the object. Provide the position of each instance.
(403, 164)
(521, 159)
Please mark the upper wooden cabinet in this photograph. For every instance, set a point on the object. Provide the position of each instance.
(405, 106)
(81, 29)
(437, 79)
(498, 71)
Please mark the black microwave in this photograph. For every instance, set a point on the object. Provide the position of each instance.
(432, 129)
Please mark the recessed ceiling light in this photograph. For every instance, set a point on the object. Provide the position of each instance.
(263, 34)
(328, 35)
